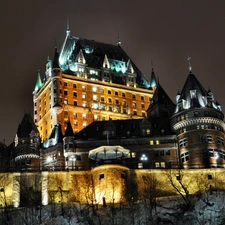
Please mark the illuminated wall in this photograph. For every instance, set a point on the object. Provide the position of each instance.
(84, 100)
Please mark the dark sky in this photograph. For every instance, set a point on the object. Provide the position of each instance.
(164, 31)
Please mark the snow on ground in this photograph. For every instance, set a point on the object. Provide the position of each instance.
(207, 209)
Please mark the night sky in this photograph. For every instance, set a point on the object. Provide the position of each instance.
(164, 31)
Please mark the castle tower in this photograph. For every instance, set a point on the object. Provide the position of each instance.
(27, 145)
(109, 174)
(199, 126)
(69, 148)
(88, 81)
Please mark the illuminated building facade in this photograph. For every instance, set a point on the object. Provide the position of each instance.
(89, 81)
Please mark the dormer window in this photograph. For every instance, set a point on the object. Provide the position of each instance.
(193, 94)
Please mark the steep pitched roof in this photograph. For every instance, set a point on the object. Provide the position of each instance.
(69, 130)
(26, 126)
(153, 81)
(94, 53)
(39, 83)
(192, 83)
(55, 63)
(162, 101)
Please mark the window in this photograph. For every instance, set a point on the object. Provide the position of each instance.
(74, 86)
(183, 142)
(65, 101)
(94, 89)
(135, 112)
(75, 115)
(83, 87)
(116, 92)
(134, 104)
(142, 98)
(151, 142)
(83, 95)
(65, 113)
(75, 94)
(123, 94)
(102, 99)
(84, 116)
(95, 97)
(109, 92)
(101, 176)
(117, 101)
(142, 105)
(78, 157)
(133, 96)
(109, 100)
(148, 131)
(84, 104)
(184, 157)
(102, 90)
(220, 141)
(65, 84)
(95, 117)
(207, 139)
(75, 103)
(65, 92)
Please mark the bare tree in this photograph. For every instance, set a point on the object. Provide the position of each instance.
(176, 180)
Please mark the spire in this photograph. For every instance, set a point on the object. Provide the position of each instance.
(153, 81)
(69, 130)
(56, 58)
(39, 83)
(189, 62)
(118, 42)
(67, 28)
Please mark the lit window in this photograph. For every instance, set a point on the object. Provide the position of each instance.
(95, 117)
(65, 101)
(95, 105)
(151, 142)
(148, 131)
(207, 139)
(183, 142)
(83, 87)
(140, 165)
(84, 124)
(83, 95)
(84, 116)
(134, 104)
(184, 157)
(75, 115)
(94, 89)
(84, 104)
(157, 142)
(95, 97)
(220, 140)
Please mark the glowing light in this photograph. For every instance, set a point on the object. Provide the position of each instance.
(144, 157)
(49, 159)
(94, 89)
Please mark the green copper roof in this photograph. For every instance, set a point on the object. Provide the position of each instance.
(39, 83)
